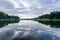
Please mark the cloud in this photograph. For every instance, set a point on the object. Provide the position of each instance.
(46, 10)
(27, 15)
(25, 3)
(6, 4)
(10, 4)
(52, 7)
(31, 3)
(17, 4)
(29, 8)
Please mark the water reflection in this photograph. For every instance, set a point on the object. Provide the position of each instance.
(4, 23)
(39, 36)
(54, 24)
(6, 34)
(29, 30)
(36, 31)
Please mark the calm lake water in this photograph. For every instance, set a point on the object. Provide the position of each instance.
(29, 30)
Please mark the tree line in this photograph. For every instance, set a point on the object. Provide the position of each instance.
(52, 15)
(6, 16)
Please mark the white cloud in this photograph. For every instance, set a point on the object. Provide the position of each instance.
(25, 3)
(27, 8)
(52, 7)
(14, 2)
(30, 15)
(53, 1)
(46, 10)
(6, 4)
(10, 4)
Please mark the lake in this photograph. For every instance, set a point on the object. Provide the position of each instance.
(29, 30)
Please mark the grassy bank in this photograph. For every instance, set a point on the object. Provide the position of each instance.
(47, 19)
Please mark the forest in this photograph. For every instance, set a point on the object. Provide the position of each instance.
(6, 17)
(55, 15)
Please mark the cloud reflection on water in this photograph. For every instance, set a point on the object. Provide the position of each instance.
(29, 30)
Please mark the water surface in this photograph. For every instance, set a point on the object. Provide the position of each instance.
(29, 30)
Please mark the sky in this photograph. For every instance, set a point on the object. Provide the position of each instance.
(29, 8)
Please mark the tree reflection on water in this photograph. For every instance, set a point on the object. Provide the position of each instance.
(4, 23)
(54, 24)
